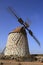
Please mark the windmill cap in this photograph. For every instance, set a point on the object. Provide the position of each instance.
(19, 30)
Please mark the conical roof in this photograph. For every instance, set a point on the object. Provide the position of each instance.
(18, 30)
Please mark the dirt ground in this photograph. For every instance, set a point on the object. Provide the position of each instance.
(13, 62)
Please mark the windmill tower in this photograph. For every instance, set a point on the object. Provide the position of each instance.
(17, 43)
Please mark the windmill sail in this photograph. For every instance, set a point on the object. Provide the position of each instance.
(24, 24)
(31, 33)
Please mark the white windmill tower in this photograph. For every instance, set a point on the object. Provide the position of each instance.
(17, 43)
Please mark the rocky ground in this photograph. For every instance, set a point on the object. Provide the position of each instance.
(11, 60)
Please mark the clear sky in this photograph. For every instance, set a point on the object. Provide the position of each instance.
(32, 9)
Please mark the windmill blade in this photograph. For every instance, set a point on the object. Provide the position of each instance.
(19, 19)
(31, 33)
(13, 12)
(28, 21)
(36, 40)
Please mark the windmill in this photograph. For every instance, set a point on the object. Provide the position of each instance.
(17, 40)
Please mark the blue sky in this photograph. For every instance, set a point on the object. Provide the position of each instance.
(32, 9)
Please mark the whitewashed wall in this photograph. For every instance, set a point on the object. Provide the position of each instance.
(17, 45)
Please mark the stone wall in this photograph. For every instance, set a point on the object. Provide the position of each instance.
(17, 45)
